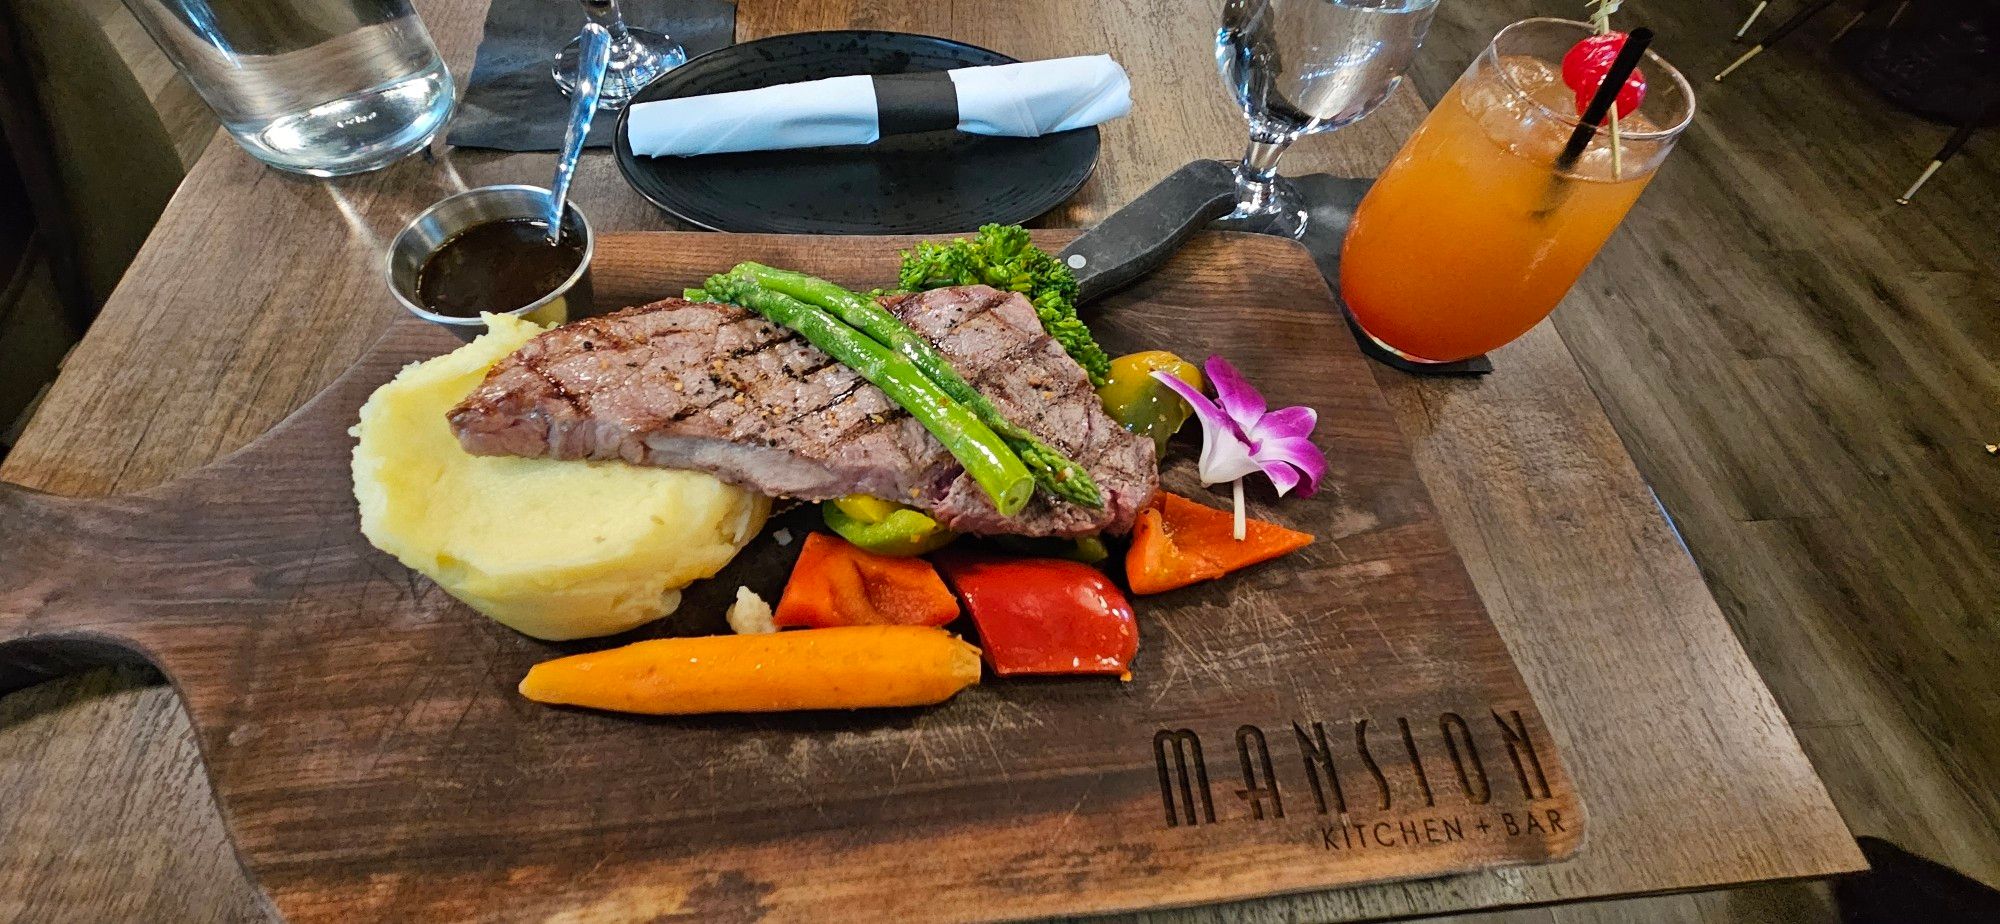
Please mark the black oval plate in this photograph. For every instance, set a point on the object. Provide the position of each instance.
(930, 183)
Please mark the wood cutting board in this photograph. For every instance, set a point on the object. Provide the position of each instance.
(1346, 714)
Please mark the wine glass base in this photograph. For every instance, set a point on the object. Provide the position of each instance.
(1266, 206)
(1281, 222)
(635, 61)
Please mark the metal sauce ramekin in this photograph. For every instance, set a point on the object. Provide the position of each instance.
(453, 215)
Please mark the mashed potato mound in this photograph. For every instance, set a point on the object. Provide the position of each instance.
(557, 550)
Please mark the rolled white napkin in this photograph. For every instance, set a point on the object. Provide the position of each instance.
(1026, 100)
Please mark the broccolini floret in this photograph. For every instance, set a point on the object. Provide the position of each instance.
(1003, 257)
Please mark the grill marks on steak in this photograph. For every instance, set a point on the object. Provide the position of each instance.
(701, 386)
(718, 389)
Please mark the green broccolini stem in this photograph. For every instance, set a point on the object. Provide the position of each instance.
(1053, 471)
(988, 459)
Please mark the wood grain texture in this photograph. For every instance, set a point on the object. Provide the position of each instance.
(1350, 716)
(262, 287)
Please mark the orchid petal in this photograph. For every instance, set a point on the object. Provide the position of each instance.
(1238, 438)
(1283, 476)
(1225, 456)
(1238, 398)
(1204, 409)
(1285, 423)
(1282, 444)
(1298, 453)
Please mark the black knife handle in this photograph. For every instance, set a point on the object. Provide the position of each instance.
(1136, 239)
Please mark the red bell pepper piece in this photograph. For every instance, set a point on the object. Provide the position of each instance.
(836, 583)
(1045, 615)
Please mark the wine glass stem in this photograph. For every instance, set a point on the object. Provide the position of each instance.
(606, 13)
(1257, 175)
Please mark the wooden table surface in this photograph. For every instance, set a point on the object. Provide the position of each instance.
(259, 287)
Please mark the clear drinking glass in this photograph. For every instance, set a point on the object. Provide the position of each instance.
(324, 87)
(637, 56)
(1299, 67)
(1472, 234)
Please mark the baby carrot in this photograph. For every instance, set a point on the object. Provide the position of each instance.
(849, 667)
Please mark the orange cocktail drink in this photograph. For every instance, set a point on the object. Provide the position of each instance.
(1473, 234)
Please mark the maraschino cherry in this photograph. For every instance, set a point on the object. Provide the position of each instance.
(1589, 62)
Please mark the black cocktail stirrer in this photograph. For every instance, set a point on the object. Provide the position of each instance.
(1593, 114)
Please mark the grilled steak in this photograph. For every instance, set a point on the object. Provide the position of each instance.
(718, 389)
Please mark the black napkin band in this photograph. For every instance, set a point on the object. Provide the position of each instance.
(909, 103)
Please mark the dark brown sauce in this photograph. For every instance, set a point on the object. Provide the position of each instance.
(498, 266)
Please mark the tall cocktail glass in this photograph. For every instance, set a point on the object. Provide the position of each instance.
(1472, 235)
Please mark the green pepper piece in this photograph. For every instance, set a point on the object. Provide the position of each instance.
(904, 532)
(1088, 549)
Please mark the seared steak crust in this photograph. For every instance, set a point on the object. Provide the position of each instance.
(716, 388)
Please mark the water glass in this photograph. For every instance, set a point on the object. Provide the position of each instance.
(322, 87)
(1300, 67)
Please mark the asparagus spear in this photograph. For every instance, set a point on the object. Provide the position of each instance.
(1053, 471)
(992, 465)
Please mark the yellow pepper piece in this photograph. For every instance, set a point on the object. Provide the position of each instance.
(866, 508)
(1134, 398)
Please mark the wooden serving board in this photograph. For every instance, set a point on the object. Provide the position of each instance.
(1347, 714)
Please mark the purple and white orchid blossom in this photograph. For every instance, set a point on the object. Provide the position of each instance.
(1238, 438)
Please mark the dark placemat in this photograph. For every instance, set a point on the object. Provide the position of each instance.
(512, 103)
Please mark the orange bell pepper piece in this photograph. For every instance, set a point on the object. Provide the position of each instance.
(1178, 542)
(836, 583)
